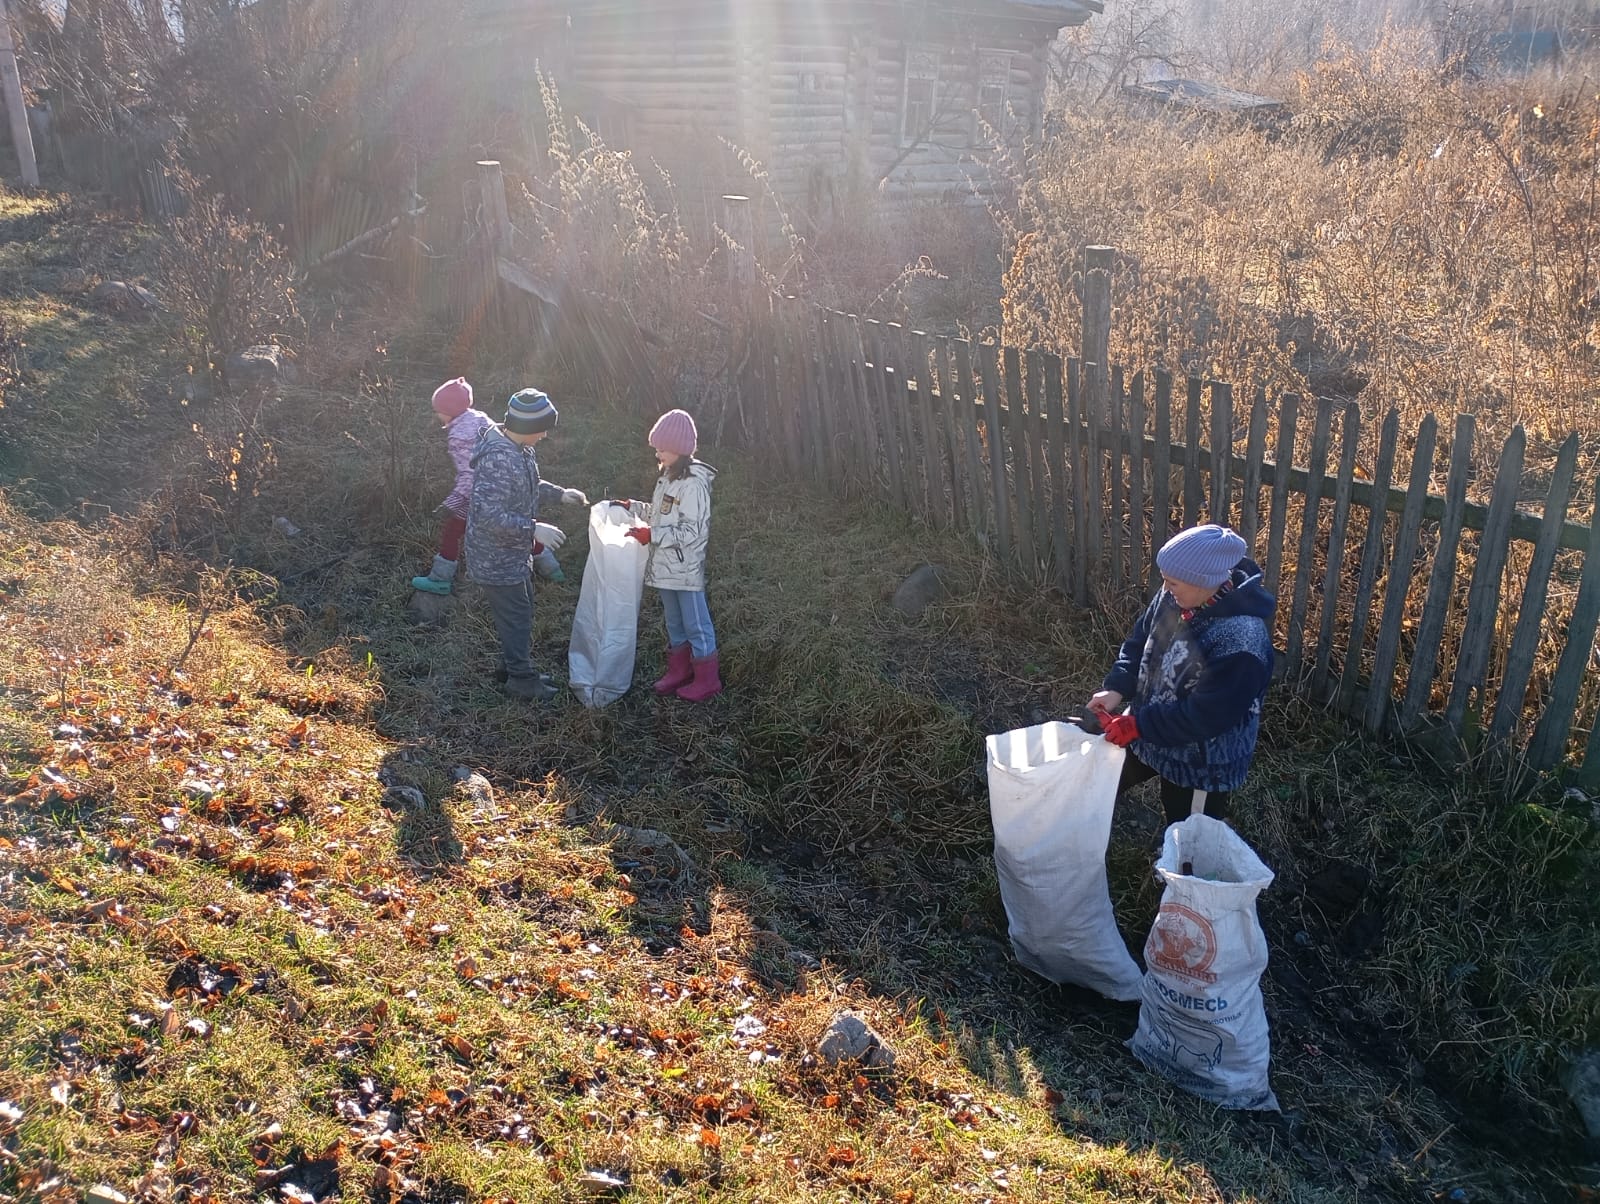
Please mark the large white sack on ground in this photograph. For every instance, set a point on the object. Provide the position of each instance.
(605, 626)
(1202, 1023)
(1051, 792)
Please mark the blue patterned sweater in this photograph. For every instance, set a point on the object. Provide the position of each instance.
(1196, 686)
(507, 493)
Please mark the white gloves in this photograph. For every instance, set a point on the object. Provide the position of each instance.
(550, 537)
(574, 497)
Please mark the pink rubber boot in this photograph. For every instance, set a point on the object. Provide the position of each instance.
(679, 671)
(707, 681)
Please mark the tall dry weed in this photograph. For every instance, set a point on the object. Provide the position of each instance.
(1413, 238)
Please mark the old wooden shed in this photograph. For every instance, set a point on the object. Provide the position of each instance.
(832, 97)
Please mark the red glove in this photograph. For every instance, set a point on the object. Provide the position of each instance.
(1122, 730)
(642, 534)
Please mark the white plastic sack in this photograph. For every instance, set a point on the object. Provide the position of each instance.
(1051, 792)
(1202, 1023)
(605, 627)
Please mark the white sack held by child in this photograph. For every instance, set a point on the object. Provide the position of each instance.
(605, 626)
(1202, 1023)
(1051, 791)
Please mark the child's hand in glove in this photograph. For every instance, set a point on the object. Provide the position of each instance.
(574, 497)
(550, 537)
(1122, 730)
(642, 534)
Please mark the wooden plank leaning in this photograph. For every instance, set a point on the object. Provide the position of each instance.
(1488, 576)
(1093, 397)
(1442, 582)
(1193, 489)
(1114, 524)
(1221, 452)
(979, 509)
(994, 436)
(1401, 566)
(944, 397)
(1136, 471)
(1161, 473)
(896, 359)
(818, 398)
(1043, 483)
(878, 386)
(1288, 416)
(1560, 709)
(866, 409)
(1254, 453)
(855, 427)
(1535, 591)
(1062, 476)
(1334, 575)
(1077, 433)
(1021, 485)
(1310, 520)
(938, 498)
(1371, 554)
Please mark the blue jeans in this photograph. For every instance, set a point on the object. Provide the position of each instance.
(688, 620)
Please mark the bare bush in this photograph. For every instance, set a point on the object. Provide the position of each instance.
(236, 442)
(229, 282)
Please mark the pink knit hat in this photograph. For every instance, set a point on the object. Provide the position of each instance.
(674, 432)
(453, 398)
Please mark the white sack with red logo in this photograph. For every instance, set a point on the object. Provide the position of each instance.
(1051, 791)
(1202, 1023)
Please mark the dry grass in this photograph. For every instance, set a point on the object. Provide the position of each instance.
(1413, 238)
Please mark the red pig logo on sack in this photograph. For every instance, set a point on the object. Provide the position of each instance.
(1182, 942)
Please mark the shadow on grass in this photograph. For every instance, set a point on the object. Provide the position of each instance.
(420, 794)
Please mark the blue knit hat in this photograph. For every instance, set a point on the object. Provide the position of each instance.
(529, 412)
(1202, 556)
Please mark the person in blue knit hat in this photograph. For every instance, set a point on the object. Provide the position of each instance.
(502, 525)
(1193, 671)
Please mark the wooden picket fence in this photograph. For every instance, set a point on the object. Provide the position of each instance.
(1466, 623)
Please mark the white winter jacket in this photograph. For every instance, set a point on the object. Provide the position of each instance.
(680, 528)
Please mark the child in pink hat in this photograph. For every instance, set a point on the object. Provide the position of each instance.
(452, 405)
(676, 527)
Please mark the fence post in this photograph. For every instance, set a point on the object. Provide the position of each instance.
(16, 107)
(492, 187)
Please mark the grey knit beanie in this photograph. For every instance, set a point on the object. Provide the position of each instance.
(1202, 556)
(529, 412)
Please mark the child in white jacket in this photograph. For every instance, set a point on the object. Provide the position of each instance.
(676, 529)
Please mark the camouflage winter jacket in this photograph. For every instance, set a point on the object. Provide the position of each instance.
(506, 495)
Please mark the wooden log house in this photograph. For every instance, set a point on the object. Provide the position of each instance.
(834, 98)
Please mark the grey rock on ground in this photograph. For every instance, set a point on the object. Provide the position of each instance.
(404, 798)
(119, 297)
(851, 1039)
(473, 786)
(262, 365)
(919, 591)
(429, 608)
